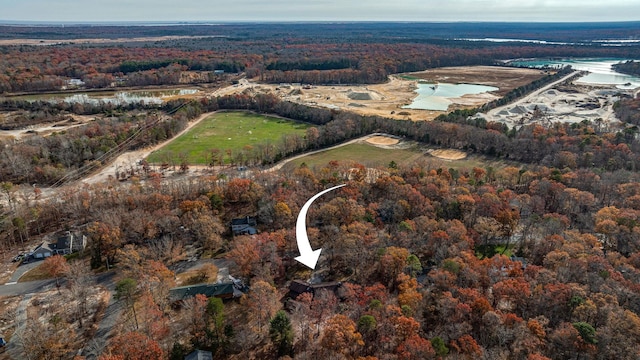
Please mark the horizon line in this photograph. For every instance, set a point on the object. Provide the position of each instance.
(235, 22)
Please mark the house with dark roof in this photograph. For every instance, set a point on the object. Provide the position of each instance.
(297, 287)
(69, 243)
(244, 226)
(42, 251)
(224, 290)
(199, 355)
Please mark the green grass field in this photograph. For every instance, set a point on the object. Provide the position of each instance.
(226, 130)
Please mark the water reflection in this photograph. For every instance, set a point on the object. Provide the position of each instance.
(436, 96)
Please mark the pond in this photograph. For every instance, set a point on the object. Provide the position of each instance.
(436, 96)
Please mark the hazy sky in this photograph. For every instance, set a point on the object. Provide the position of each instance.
(319, 10)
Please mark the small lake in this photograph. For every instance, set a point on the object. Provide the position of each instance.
(436, 96)
(116, 98)
(600, 71)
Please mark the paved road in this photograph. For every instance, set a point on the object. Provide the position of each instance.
(96, 345)
(14, 346)
(21, 270)
(94, 348)
(26, 287)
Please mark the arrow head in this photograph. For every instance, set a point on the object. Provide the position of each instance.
(310, 259)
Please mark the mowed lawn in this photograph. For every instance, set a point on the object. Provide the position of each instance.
(226, 130)
(364, 154)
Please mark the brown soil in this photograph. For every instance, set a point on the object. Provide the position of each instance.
(448, 154)
(382, 140)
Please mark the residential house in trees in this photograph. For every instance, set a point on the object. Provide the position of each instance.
(42, 251)
(66, 243)
(244, 226)
(297, 287)
(69, 243)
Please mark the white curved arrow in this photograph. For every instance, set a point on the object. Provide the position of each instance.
(308, 256)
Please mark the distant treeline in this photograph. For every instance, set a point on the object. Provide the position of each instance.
(318, 54)
(133, 66)
(361, 32)
(311, 65)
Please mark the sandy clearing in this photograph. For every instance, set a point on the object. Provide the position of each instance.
(47, 129)
(558, 102)
(448, 154)
(382, 140)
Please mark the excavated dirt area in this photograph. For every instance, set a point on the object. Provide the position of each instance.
(388, 99)
(504, 78)
(573, 103)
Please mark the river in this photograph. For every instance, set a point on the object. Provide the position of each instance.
(600, 71)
